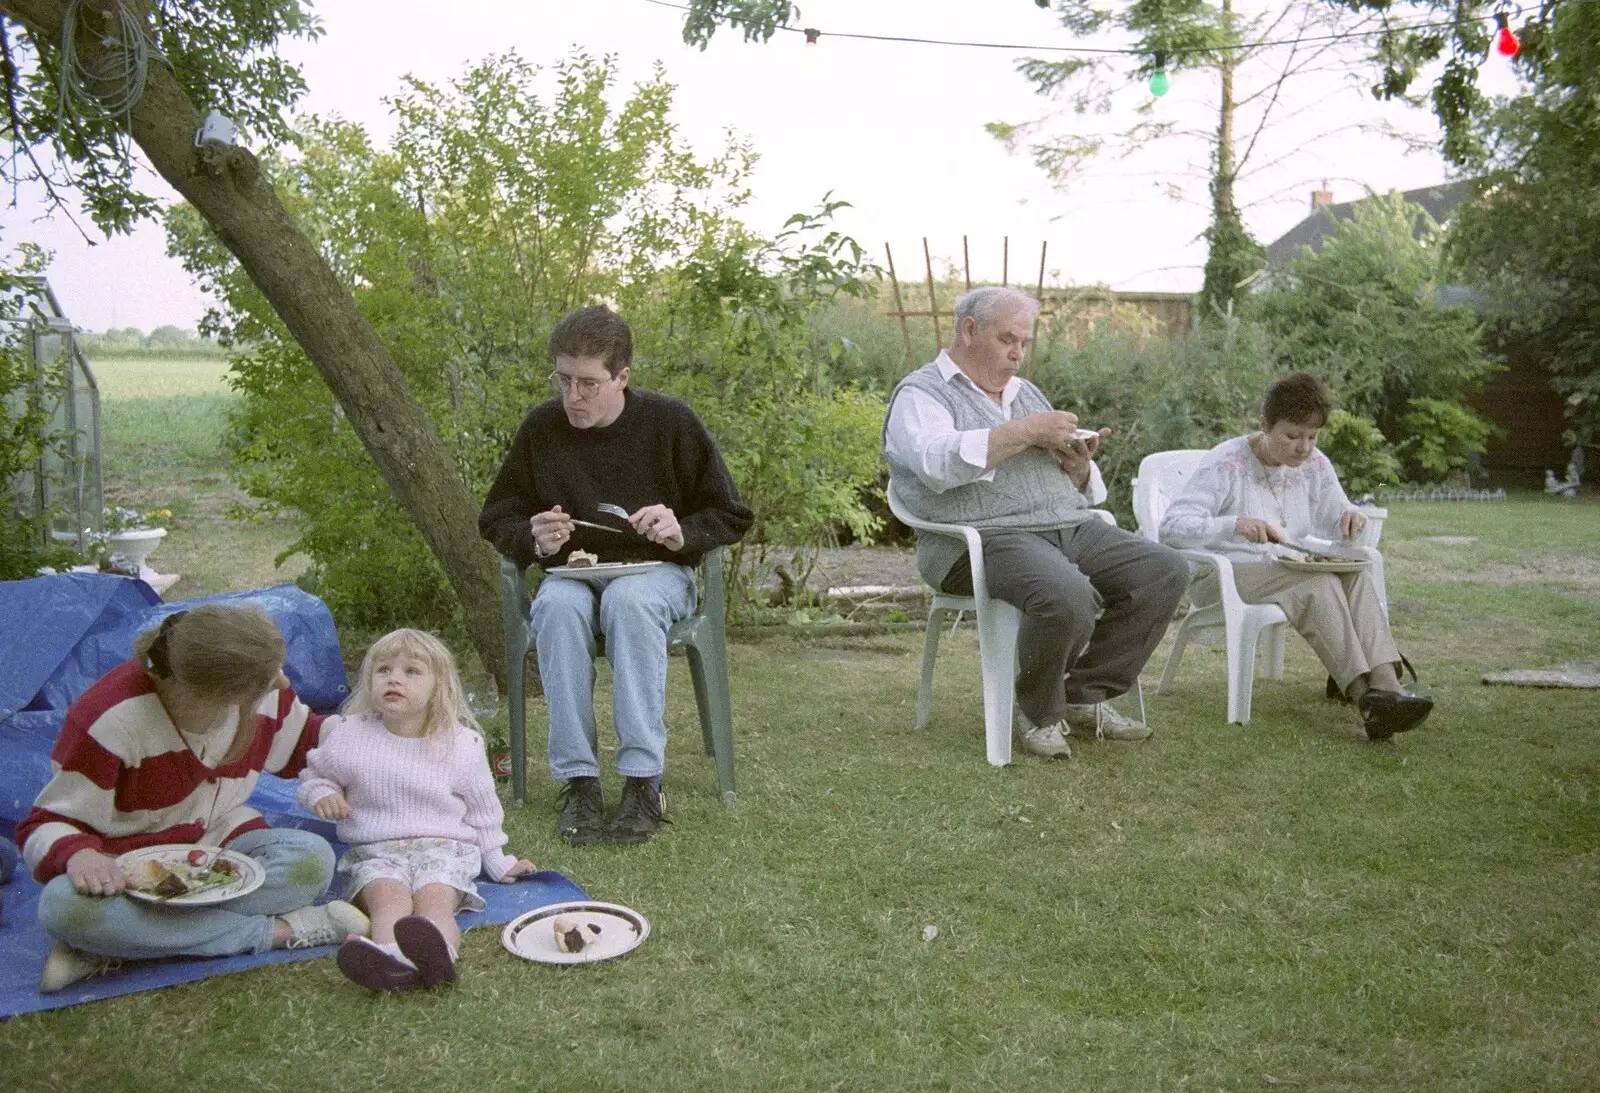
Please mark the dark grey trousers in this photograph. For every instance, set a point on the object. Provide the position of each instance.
(1061, 580)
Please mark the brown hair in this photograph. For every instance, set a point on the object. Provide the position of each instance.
(231, 653)
(447, 706)
(594, 332)
(1299, 398)
(218, 652)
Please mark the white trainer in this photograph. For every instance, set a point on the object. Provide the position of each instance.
(66, 966)
(1045, 741)
(1105, 722)
(326, 924)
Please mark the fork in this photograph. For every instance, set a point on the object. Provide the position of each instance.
(612, 510)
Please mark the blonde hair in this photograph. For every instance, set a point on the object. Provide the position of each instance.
(447, 706)
(217, 653)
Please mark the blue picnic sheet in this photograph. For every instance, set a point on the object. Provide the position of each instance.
(58, 634)
(23, 945)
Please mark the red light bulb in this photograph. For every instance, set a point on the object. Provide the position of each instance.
(1505, 42)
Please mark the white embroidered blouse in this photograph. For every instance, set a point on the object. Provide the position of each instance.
(1230, 482)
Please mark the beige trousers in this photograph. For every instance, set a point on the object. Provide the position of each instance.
(1339, 614)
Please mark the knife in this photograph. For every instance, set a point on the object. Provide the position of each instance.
(597, 527)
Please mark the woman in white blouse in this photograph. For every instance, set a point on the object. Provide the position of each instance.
(1248, 496)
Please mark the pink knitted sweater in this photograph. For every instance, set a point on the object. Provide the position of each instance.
(404, 788)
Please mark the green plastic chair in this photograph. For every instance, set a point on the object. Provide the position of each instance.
(701, 636)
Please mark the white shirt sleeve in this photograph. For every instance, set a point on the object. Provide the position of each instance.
(1205, 513)
(1328, 500)
(922, 437)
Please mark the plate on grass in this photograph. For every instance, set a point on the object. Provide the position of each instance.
(602, 571)
(580, 932)
(206, 874)
(1324, 564)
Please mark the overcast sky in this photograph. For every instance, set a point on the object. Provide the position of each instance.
(894, 128)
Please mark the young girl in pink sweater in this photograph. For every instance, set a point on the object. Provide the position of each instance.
(406, 776)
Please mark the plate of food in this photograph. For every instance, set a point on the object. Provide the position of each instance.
(1322, 563)
(579, 932)
(189, 875)
(583, 566)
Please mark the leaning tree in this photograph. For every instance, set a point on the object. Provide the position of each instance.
(89, 82)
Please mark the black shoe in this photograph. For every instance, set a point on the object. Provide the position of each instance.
(638, 817)
(1335, 693)
(583, 813)
(1384, 713)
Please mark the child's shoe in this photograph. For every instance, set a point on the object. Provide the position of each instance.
(372, 966)
(426, 947)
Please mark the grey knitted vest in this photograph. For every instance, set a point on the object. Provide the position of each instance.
(1028, 491)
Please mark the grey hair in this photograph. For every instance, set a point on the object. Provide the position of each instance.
(980, 304)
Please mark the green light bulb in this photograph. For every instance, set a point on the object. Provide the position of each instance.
(1159, 83)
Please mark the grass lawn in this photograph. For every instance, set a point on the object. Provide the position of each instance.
(1225, 907)
(163, 423)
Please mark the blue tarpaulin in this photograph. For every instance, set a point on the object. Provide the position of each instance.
(59, 634)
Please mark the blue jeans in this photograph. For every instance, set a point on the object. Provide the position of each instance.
(633, 612)
(299, 866)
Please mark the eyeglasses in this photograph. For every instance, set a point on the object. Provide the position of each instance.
(585, 387)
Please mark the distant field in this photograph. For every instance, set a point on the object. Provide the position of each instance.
(162, 425)
(159, 377)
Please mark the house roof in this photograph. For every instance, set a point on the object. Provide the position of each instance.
(1436, 201)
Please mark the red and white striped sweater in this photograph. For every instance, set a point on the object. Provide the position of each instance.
(125, 778)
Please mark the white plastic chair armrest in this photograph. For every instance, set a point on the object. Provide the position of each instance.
(1232, 605)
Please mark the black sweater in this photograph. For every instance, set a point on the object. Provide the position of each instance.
(657, 452)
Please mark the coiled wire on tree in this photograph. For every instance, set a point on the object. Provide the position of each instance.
(105, 90)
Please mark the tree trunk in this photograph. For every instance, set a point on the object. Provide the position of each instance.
(1233, 256)
(228, 189)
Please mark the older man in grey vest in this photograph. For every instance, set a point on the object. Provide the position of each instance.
(970, 442)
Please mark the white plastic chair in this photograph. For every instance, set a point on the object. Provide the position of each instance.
(998, 623)
(1162, 476)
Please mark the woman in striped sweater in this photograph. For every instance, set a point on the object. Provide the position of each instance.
(167, 748)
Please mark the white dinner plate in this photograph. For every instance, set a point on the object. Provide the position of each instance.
(532, 936)
(603, 571)
(249, 874)
(1334, 565)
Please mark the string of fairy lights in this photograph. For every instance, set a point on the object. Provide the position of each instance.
(1504, 40)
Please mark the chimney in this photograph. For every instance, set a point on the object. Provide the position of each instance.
(1321, 199)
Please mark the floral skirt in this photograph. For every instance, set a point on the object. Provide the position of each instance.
(415, 863)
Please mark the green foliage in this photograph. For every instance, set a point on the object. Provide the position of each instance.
(495, 213)
(1532, 239)
(1362, 315)
(131, 342)
(27, 403)
(1359, 452)
(1442, 437)
(1156, 394)
(1232, 262)
(759, 19)
(224, 55)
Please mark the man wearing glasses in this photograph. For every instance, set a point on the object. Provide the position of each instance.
(628, 476)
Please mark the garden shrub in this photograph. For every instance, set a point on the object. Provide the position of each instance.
(1359, 452)
(26, 407)
(493, 215)
(1156, 394)
(1441, 437)
(1361, 314)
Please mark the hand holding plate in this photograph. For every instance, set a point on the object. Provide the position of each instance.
(95, 874)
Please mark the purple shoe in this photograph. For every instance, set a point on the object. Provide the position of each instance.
(367, 965)
(426, 947)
